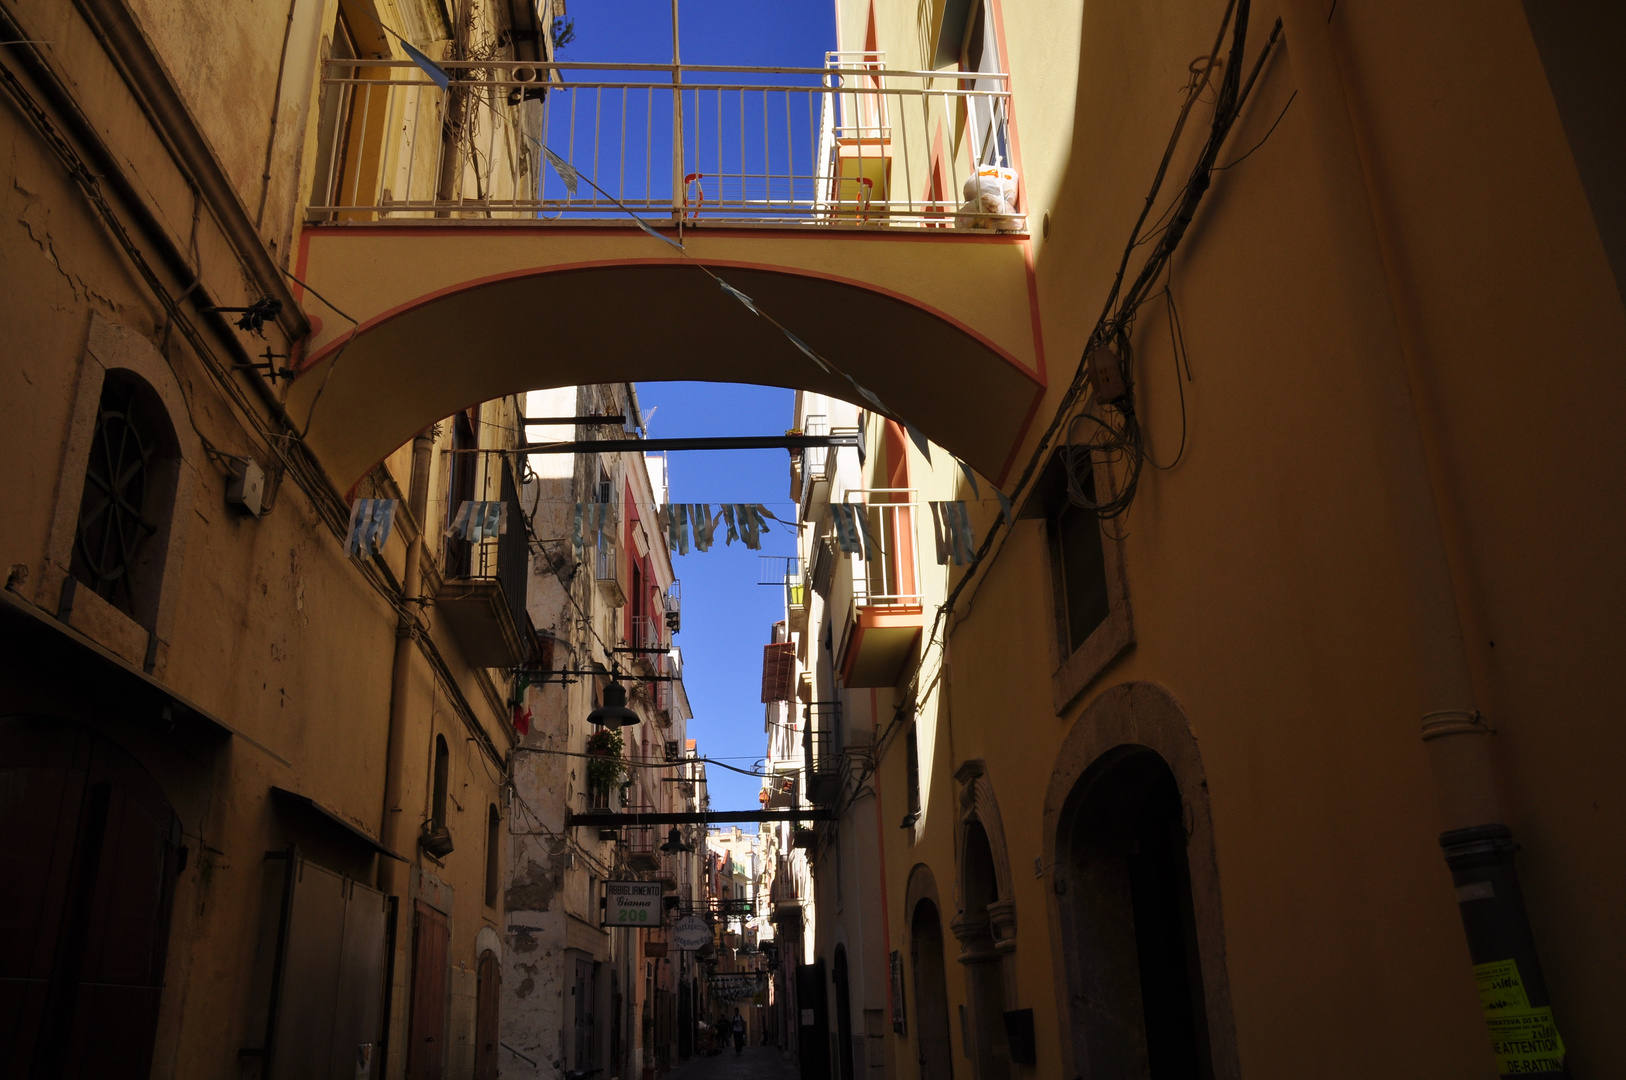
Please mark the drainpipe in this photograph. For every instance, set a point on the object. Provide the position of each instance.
(1477, 843)
(412, 584)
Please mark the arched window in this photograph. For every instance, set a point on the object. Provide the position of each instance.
(932, 1039)
(912, 759)
(443, 769)
(984, 974)
(844, 1015)
(493, 855)
(129, 489)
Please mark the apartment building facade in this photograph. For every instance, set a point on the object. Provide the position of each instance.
(255, 714)
(1246, 701)
(579, 994)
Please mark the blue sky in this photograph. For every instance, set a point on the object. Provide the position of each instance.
(727, 616)
(787, 33)
(608, 133)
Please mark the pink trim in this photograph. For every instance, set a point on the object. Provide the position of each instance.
(879, 233)
(510, 275)
(1021, 437)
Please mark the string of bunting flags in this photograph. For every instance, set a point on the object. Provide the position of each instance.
(745, 522)
(732, 987)
(476, 521)
(371, 521)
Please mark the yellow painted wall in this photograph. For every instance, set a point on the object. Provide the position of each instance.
(1396, 235)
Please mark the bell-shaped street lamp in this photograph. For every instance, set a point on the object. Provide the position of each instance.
(675, 842)
(614, 711)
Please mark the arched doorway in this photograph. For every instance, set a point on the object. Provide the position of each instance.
(932, 1041)
(1130, 902)
(981, 957)
(487, 974)
(1135, 897)
(91, 848)
(844, 1015)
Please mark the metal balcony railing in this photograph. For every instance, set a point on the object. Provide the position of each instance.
(821, 749)
(605, 567)
(786, 572)
(890, 575)
(672, 606)
(852, 143)
(642, 845)
(644, 632)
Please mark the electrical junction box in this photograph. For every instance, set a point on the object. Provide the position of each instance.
(246, 489)
(1107, 373)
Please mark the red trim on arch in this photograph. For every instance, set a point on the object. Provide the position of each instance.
(536, 228)
(1021, 437)
(463, 286)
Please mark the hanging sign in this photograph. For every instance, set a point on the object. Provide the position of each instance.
(632, 903)
(690, 933)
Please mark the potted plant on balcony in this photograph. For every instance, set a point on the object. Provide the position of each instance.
(605, 769)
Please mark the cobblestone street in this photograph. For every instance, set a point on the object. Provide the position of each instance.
(754, 1063)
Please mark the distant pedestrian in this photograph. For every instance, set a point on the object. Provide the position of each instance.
(739, 1032)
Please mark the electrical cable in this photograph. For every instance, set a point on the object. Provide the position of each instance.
(1124, 437)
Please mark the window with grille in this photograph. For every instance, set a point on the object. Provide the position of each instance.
(124, 504)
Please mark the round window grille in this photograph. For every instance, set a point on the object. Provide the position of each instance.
(112, 524)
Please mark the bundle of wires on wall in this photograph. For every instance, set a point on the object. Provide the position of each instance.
(1108, 431)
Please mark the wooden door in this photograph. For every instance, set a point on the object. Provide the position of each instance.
(90, 847)
(426, 1031)
(583, 994)
(485, 1016)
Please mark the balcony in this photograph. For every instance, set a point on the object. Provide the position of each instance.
(672, 607)
(607, 571)
(642, 844)
(888, 604)
(782, 791)
(821, 749)
(482, 592)
(848, 145)
(644, 633)
(787, 572)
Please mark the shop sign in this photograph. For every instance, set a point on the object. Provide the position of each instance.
(691, 932)
(632, 903)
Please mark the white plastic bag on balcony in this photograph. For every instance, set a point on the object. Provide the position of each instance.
(990, 201)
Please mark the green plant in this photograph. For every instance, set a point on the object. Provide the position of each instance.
(563, 32)
(605, 769)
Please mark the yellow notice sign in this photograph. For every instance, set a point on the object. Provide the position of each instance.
(1526, 1042)
(1500, 986)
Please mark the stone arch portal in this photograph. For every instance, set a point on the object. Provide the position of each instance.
(941, 326)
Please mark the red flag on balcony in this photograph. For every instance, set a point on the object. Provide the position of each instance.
(778, 670)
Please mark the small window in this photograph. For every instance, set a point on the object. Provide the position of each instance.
(1078, 561)
(1076, 535)
(493, 855)
(1090, 595)
(462, 487)
(124, 503)
(913, 747)
(443, 769)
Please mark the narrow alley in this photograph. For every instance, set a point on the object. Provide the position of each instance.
(752, 1063)
(834, 540)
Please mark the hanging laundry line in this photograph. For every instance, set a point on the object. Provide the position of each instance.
(745, 522)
